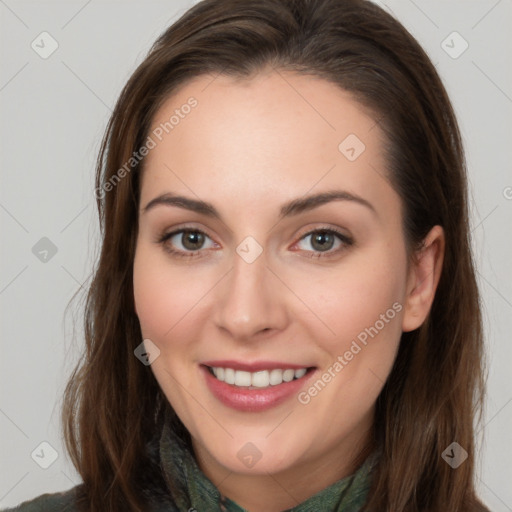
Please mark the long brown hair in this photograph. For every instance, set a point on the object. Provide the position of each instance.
(435, 389)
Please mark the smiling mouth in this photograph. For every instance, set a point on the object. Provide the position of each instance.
(257, 380)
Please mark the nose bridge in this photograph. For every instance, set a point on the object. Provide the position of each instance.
(248, 301)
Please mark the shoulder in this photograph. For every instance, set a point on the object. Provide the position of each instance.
(55, 502)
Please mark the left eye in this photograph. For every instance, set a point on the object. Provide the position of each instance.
(324, 240)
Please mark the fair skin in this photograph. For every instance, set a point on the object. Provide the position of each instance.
(248, 148)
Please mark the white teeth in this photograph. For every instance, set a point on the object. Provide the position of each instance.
(229, 376)
(242, 378)
(288, 375)
(298, 373)
(260, 379)
(276, 377)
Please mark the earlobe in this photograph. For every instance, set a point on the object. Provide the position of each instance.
(423, 279)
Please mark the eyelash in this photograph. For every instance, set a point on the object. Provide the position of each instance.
(346, 241)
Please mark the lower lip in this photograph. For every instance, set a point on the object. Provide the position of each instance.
(256, 399)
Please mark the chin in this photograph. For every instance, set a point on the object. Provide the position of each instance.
(258, 456)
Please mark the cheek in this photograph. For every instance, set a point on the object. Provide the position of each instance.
(359, 299)
(167, 297)
(362, 306)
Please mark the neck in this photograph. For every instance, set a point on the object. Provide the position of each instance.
(275, 492)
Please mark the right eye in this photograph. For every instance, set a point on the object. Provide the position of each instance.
(185, 242)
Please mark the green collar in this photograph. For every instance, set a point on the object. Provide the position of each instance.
(191, 489)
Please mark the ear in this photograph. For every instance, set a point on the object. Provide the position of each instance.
(423, 279)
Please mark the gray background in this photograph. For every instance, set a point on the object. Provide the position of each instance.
(53, 113)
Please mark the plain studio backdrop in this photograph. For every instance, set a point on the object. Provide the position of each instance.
(63, 65)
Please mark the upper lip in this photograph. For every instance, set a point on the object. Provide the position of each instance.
(254, 366)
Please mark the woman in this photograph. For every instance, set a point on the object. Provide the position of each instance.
(285, 314)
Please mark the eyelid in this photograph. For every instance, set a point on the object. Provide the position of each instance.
(332, 229)
(166, 234)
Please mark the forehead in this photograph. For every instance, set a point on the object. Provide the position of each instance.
(274, 136)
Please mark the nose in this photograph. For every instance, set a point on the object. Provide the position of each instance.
(250, 300)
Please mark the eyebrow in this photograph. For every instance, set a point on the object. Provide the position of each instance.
(294, 207)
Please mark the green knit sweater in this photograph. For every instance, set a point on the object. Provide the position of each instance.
(194, 492)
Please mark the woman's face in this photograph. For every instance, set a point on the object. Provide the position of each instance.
(268, 274)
